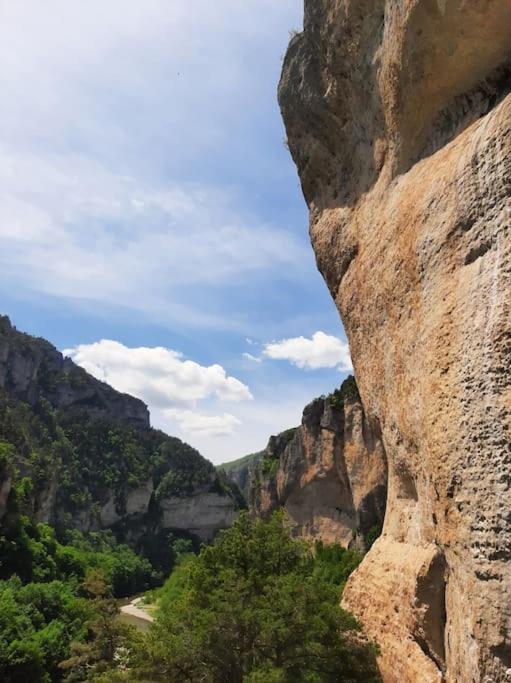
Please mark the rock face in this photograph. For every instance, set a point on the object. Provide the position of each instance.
(32, 368)
(240, 471)
(329, 474)
(201, 514)
(398, 117)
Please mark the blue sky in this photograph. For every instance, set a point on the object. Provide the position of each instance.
(151, 220)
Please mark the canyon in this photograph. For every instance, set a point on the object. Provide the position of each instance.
(398, 117)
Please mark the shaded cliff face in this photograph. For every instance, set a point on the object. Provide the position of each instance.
(240, 471)
(89, 458)
(398, 118)
(32, 369)
(329, 474)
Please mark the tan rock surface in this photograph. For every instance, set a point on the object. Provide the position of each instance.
(202, 514)
(329, 474)
(399, 120)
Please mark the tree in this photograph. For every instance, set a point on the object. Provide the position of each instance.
(251, 610)
(108, 639)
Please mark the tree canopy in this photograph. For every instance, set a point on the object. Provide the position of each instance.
(253, 607)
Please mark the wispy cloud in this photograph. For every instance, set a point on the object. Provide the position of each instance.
(112, 132)
(144, 186)
(321, 351)
(197, 424)
(76, 230)
(251, 358)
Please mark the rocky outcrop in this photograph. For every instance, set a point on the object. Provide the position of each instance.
(398, 117)
(329, 474)
(32, 369)
(201, 514)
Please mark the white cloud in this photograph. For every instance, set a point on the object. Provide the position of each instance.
(159, 376)
(251, 358)
(113, 136)
(189, 400)
(196, 424)
(322, 351)
(171, 386)
(74, 230)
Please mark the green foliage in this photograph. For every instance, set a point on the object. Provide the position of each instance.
(348, 391)
(39, 620)
(270, 460)
(174, 585)
(125, 572)
(181, 470)
(6, 456)
(240, 462)
(269, 465)
(333, 564)
(93, 457)
(371, 536)
(32, 552)
(37, 623)
(107, 642)
(251, 608)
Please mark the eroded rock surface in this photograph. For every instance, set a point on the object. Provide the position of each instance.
(329, 474)
(398, 117)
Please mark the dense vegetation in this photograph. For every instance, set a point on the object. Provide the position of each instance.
(43, 606)
(95, 457)
(257, 606)
(348, 391)
(240, 462)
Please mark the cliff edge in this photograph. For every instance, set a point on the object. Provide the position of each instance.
(398, 118)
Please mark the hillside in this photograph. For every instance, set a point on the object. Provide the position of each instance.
(87, 459)
(239, 471)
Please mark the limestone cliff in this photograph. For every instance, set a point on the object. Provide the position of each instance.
(240, 471)
(32, 369)
(329, 473)
(398, 117)
(91, 459)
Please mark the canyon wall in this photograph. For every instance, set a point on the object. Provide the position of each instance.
(398, 118)
(32, 369)
(90, 458)
(329, 474)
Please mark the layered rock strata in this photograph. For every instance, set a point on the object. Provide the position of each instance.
(398, 117)
(329, 474)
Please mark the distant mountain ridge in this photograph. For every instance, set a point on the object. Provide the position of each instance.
(239, 471)
(79, 454)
